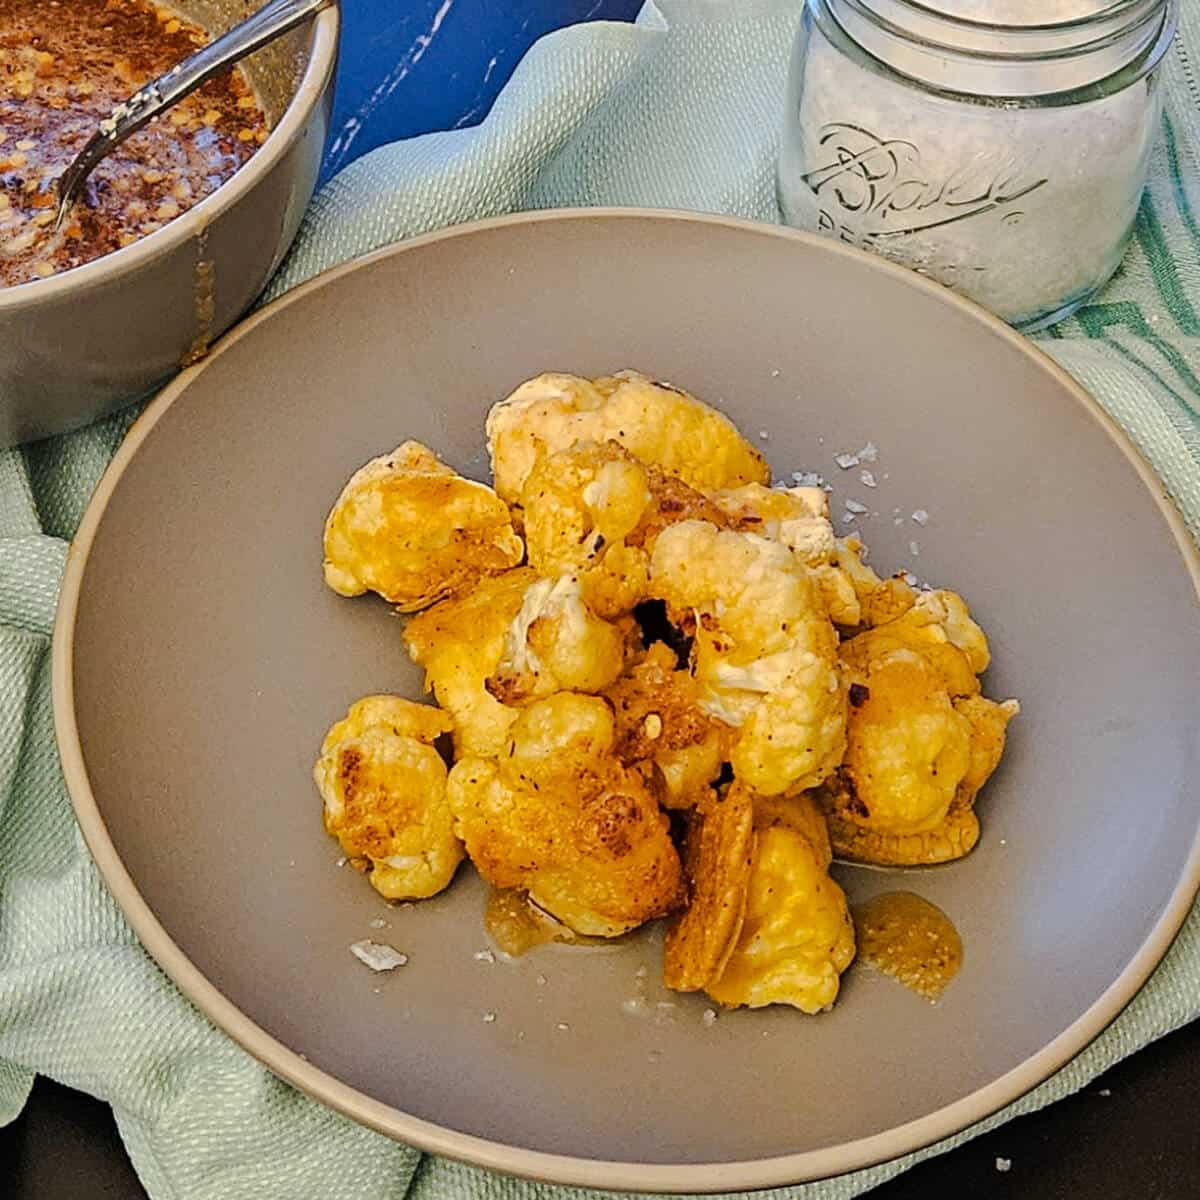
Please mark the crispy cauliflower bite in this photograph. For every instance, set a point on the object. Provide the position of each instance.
(661, 728)
(384, 790)
(406, 526)
(558, 816)
(594, 511)
(765, 652)
(921, 739)
(879, 600)
(460, 643)
(798, 518)
(795, 938)
(556, 643)
(717, 860)
(655, 422)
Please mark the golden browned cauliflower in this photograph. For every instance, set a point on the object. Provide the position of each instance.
(796, 937)
(765, 652)
(921, 740)
(406, 526)
(661, 727)
(384, 789)
(593, 511)
(556, 643)
(460, 643)
(655, 422)
(880, 600)
(799, 518)
(558, 816)
(717, 858)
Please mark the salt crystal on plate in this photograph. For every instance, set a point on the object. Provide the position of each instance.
(807, 479)
(846, 461)
(847, 517)
(541, 979)
(762, 433)
(914, 548)
(867, 478)
(563, 1025)
(869, 453)
(920, 516)
(855, 506)
(709, 1017)
(1003, 1164)
(484, 956)
(488, 1017)
(377, 923)
(378, 956)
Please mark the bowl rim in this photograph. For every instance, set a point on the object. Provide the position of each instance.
(314, 82)
(740, 1175)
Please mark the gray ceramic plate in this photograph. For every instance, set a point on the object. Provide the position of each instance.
(199, 659)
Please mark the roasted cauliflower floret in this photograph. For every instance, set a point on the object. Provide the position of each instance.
(796, 937)
(558, 816)
(557, 644)
(578, 501)
(655, 422)
(660, 724)
(406, 526)
(717, 858)
(799, 518)
(921, 740)
(460, 643)
(384, 789)
(594, 511)
(765, 652)
(879, 600)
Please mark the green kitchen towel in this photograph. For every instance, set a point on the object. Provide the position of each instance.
(681, 110)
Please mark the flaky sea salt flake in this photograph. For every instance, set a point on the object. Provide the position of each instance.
(846, 461)
(378, 955)
(808, 479)
(855, 506)
(869, 453)
(485, 956)
(868, 479)
(921, 516)
(1003, 1164)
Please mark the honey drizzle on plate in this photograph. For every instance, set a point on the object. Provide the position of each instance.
(909, 940)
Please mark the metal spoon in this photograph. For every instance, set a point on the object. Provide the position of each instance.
(152, 99)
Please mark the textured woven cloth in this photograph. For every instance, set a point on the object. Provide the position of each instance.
(680, 111)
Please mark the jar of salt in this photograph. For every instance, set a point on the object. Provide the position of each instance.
(997, 146)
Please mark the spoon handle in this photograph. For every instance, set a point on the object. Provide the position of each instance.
(152, 99)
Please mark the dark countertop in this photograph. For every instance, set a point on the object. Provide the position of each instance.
(413, 66)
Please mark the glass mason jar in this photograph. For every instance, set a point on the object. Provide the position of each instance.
(997, 146)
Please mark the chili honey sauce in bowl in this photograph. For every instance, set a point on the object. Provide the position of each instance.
(177, 231)
(189, 717)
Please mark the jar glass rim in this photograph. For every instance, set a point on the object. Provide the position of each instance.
(1105, 39)
(823, 15)
(1114, 9)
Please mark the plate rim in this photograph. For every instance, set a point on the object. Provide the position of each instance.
(738, 1175)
